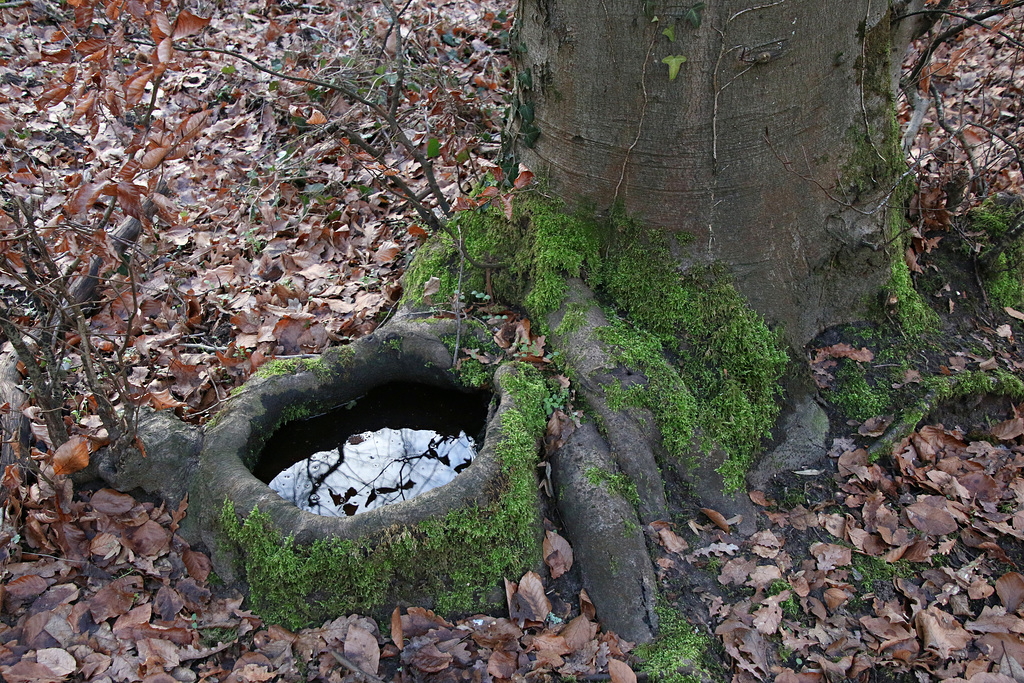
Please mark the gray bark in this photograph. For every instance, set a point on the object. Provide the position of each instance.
(747, 149)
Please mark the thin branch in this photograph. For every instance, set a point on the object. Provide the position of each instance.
(788, 165)
(976, 20)
(458, 299)
(1016, 150)
(958, 133)
(754, 9)
(864, 85)
(396, 89)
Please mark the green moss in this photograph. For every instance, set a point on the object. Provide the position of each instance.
(858, 399)
(439, 258)
(665, 394)
(726, 364)
(473, 373)
(725, 379)
(909, 309)
(458, 558)
(210, 637)
(997, 382)
(296, 411)
(618, 483)
(868, 570)
(1003, 278)
(679, 645)
(291, 366)
(537, 249)
(790, 606)
(876, 161)
(1005, 281)
(574, 318)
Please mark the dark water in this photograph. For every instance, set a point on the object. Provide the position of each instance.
(398, 406)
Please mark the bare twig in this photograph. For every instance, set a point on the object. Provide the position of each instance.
(458, 298)
(957, 133)
(1016, 150)
(864, 84)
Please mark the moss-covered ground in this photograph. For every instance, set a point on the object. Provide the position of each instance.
(996, 225)
(934, 351)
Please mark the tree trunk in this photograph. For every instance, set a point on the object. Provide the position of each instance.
(775, 145)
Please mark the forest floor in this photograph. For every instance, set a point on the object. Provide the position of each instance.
(877, 561)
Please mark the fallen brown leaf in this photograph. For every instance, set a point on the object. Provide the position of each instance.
(362, 648)
(396, 628)
(940, 632)
(931, 516)
(529, 602)
(71, 456)
(717, 517)
(1010, 587)
(557, 554)
(620, 672)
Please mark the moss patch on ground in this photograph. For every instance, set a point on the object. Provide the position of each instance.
(458, 559)
(906, 307)
(1002, 252)
(880, 387)
(681, 653)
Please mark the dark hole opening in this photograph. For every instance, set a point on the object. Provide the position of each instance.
(399, 405)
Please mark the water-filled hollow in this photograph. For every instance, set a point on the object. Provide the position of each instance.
(392, 443)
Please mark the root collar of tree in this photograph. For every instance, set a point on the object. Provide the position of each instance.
(689, 349)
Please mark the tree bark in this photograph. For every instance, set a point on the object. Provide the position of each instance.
(774, 146)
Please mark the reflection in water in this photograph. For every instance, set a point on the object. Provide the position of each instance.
(374, 469)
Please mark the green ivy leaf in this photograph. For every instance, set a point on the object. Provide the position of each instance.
(671, 33)
(526, 113)
(433, 148)
(693, 15)
(674, 62)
